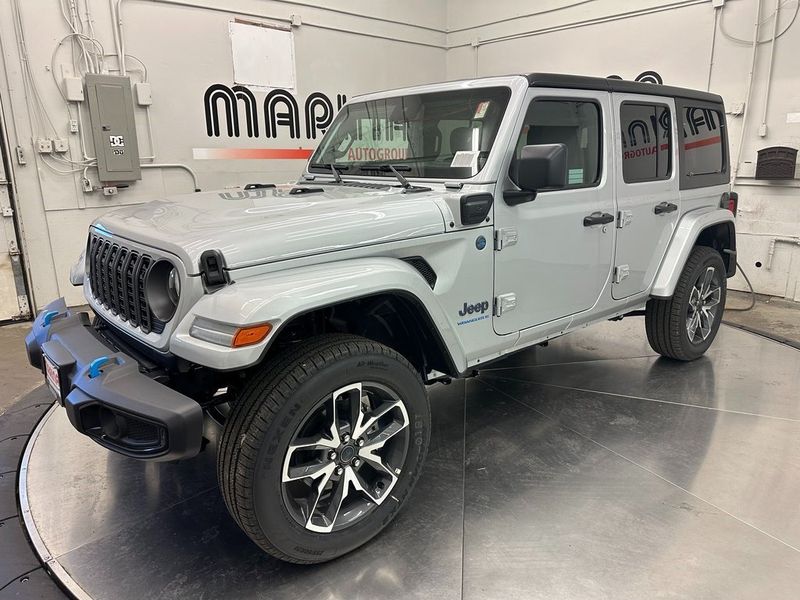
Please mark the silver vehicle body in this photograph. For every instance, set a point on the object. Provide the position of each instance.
(528, 272)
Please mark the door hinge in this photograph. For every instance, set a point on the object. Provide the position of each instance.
(13, 249)
(624, 218)
(505, 237)
(621, 272)
(504, 303)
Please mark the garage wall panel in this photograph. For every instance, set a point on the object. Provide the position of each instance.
(355, 47)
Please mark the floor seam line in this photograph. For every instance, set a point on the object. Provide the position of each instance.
(656, 400)
(647, 470)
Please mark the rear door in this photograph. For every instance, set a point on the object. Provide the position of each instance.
(648, 198)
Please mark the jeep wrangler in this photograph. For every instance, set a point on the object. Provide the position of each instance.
(435, 229)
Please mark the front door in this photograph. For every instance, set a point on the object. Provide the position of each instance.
(556, 252)
(647, 189)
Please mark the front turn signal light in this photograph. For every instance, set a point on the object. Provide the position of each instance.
(247, 336)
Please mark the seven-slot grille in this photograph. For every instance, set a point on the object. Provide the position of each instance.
(117, 275)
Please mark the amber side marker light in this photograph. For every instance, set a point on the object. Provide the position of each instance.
(247, 336)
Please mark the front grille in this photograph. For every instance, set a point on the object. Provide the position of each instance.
(117, 275)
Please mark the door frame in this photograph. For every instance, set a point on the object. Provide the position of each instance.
(13, 231)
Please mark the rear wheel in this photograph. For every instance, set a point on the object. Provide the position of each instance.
(320, 451)
(684, 326)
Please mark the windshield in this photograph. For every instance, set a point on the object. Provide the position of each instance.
(444, 135)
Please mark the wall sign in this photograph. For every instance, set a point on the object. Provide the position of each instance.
(234, 112)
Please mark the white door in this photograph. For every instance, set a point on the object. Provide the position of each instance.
(648, 199)
(13, 301)
(557, 250)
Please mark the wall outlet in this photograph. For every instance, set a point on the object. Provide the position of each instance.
(44, 146)
(61, 146)
(73, 126)
(87, 185)
(20, 152)
(110, 190)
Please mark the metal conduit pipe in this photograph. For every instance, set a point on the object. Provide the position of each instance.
(713, 45)
(774, 242)
(762, 131)
(735, 166)
(260, 15)
(186, 168)
(115, 28)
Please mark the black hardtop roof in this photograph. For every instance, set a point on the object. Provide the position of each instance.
(582, 82)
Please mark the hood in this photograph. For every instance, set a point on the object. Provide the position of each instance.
(257, 226)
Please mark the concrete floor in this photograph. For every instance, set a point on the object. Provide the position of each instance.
(771, 316)
(589, 469)
(17, 377)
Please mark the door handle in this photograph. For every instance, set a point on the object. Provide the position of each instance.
(598, 218)
(665, 207)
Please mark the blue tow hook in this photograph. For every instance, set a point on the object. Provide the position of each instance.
(49, 316)
(96, 365)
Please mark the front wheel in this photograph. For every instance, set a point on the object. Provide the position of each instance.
(682, 327)
(321, 450)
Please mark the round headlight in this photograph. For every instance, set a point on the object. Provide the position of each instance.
(163, 290)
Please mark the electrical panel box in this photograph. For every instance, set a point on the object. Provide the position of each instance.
(113, 127)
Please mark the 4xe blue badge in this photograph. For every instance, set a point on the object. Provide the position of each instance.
(480, 243)
(479, 309)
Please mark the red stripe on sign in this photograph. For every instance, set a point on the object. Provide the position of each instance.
(245, 153)
(700, 143)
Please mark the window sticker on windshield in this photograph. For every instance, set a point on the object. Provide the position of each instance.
(480, 111)
(575, 176)
(465, 159)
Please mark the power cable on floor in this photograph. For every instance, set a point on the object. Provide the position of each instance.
(752, 292)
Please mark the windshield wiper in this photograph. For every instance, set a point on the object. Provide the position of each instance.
(395, 169)
(334, 169)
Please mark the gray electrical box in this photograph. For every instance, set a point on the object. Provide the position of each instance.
(113, 127)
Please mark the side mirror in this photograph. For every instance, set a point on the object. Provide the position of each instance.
(538, 167)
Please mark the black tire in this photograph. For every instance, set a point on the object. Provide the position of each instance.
(268, 416)
(666, 319)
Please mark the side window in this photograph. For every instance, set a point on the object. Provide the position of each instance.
(646, 142)
(575, 123)
(703, 151)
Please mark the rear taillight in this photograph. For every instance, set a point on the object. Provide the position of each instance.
(730, 201)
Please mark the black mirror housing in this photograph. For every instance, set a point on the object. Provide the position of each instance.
(541, 166)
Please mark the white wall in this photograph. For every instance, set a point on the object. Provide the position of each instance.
(186, 49)
(673, 38)
(355, 46)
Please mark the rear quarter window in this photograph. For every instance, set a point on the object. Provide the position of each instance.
(704, 144)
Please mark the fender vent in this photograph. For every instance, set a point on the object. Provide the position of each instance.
(421, 265)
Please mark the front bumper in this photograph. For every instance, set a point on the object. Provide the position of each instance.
(106, 396)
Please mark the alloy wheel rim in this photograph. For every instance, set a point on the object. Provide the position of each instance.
(346, 457)
(704, 302)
